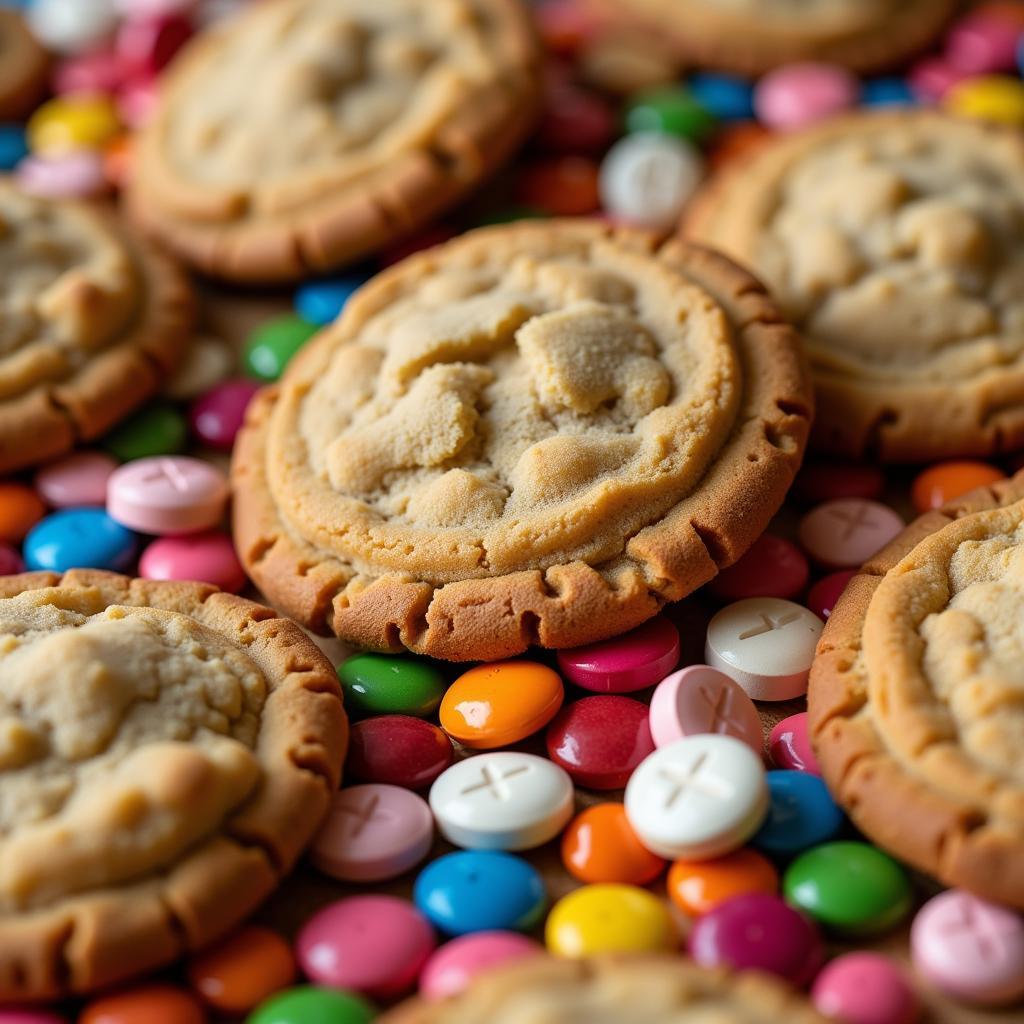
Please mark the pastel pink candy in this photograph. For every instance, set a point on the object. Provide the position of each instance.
(845, 532)
(452, 967)
(629, 662)
(76, 480)
(800, 94)
(980, 45)
(167, 494)
(865, 988)
(203, 557)
(700, 699)
(153, 8)
(99, 71)
(76, 175)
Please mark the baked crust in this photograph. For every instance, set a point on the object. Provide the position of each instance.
(24, 65)
(92, 320)
(891, 241)
(79, 934)
(383, 579)
(751, 38)
(437, 96)
(642, 989)
(926, 774)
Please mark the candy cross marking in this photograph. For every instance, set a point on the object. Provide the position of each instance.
(852, 521)
(363, 814)
(720, 705)
(768, 624)
(166, 470)
(689, 780)
(988, 933)
(495, 782)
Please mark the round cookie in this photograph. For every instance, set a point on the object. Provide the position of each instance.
(915, 697)
(608, 990)
(24, 65)
(305, 134)
(92, 320)
(895, 242)
(753, 36)
(537, 433)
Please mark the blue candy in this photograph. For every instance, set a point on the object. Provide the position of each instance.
(727, 97)
(320, 302)
(13, 147)
(801, 814)
(887, 92)
(79, 538)
(480, 890)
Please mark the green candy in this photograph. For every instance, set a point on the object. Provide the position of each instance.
(310, 1005)
(849, 887)
(670, 112)
(271, 346)
(159, 429)
(386, 684)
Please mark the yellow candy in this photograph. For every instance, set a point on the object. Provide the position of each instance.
(990, 98)
(72, 122)
(609, 919)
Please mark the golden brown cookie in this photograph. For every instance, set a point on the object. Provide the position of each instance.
(613, 990)
(166, 751)
(538, 433)
(917, 694)
(24, 65)
(895, 242)
(307, 133)
(753, 36)
(92, 320)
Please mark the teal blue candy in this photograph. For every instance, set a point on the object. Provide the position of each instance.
(388, 684)
(670, 112)
(308, 1004)
(271, 346)
(159, 429)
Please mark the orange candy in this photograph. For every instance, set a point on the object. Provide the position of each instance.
(242, 971)
(948, 480)
(738, 140)
(599, 845)
(20, 509)
(1009, 12)
(697, 886)
(564, 187)
(497, 704)
(145, 1004)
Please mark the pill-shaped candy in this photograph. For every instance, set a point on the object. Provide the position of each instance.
(632, 661)
(77, 479)
(167, 495)
(600, 845)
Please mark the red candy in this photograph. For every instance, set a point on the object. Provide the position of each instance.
(217, 416)
(823, 481)
(822, 597)
(772, 567)
(398, 750)
(790, 746)
(575, 121)
(10, 560)
(563, 187)
(146, 46)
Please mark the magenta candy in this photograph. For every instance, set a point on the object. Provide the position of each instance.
(790, 746)
(398, 750)
(758, 931)
(639, 658)
(17, 1016)
(217, 416)
(10, 561)
(932, 77)
(204, 557)
(146, 45)
(865, 988)
(800, 94)
(452, 967)
(771, 567)
(375, 945)
(822, 597)
(977, 45)
(98, 72)
(599, 741)
(76, 480)
(72, 176)
(822, 481)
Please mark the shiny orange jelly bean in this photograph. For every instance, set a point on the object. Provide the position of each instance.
(599, 845)
(697, 886)
(565, 186)
(948, 480)
(500, 703)
(20, 509)
(145, 1004)
(243, 970)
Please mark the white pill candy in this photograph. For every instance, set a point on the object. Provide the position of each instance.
(72, 26)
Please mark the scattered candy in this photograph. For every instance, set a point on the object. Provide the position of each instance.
(77, 479)
(887, 92)
(207, 557)
(158, 429)
(13, 146)
(144, 1004)
(822, 597)
(698, 886)
(801, 814)
(243, 970)
(599, 845)
(845, 532)
(321, 302)
(997, 98)
(946, 481)
(799, 94)
(69, 123)
(79, 538)
(71, 26)
(218, 415)
(672, 111)
(727, 97)
(790, 746)
(825, 481)
(77, 175)
(163, 495)
(398, 750)
(309, 1003)
(272, 346)
(865, 988)
(771, 567)
(20, 509)
(632, 661)
(10, 561)
(385, 684)
(980, 45)
(452, 967)
(564, 186)
(609, 918)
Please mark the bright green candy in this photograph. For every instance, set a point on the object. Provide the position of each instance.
(386, 684)
(158, 429)
(849, 887)
(671, 112)
(273, 344)
(310, 1005)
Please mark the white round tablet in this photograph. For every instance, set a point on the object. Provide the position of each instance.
(502, 800)
(766, 644)
(700, 797)
(72, 26)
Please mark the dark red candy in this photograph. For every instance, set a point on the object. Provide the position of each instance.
(217, 416)
(772, 567)
(600, 740)
(823, 481)
(146, 45)
(575, 120)
(398, 750)
(823, 595)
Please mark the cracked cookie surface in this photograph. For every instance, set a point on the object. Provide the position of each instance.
(535, 433)
(895, 243)
(166, 751)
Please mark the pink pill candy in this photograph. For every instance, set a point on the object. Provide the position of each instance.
(822, 597)
(167, 494)
(969, 948)
(799, 94)
(97, 72)
(639, 658)
(772, 567)
(376, 945)
(452, 967)
(865, 988)
(203, 557)
(790, 745)
(700, 699)
(10, 561)
(217, 416)
(932, 77)
(845, 533)
(979, 46)
(75, 175)
(76, 480)
(372, 833)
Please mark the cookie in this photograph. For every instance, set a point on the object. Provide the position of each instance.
(92, 320)
(24, 65)
(305, 134)
(895, 242)
(750, 37)
(166, 751)
(538, 433)
(915, 700)
(642, 990)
